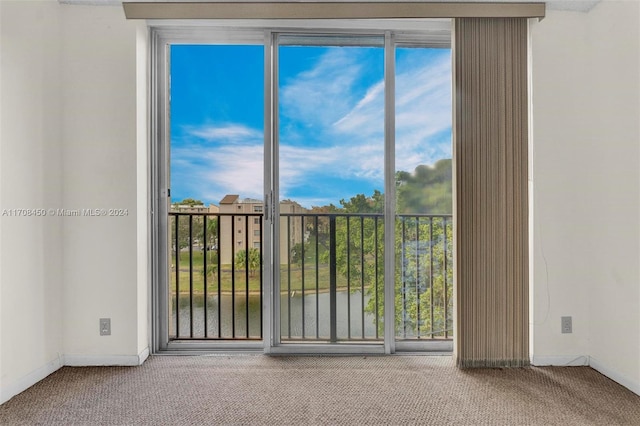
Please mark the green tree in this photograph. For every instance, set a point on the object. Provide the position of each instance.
(198, 236)
(240, 261)
(197, 231)
(427, 190)
(358, 239)
(210, 237)
(363, 204)
(422, 267)
(212, 266)
(189, 202)
(184, 236)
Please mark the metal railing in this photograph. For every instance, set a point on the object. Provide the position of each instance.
(215, 285)
(331, 276)
(346, 296)
(424, 277)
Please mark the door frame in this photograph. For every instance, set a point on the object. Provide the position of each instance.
(418, 33)
(273, 343)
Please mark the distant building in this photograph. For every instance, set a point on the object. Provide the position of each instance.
(241, 226)
(296, 233)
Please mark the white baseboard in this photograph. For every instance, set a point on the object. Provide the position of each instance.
(25, 382)
(9, 391)
(580, 360)
(106, 360)
(632, 385)
(560, 361)
(143, 355)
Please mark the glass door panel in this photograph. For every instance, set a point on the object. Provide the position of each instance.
(331, 181)
(216, 179)
(423, 152)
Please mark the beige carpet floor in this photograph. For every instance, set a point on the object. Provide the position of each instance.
(256, 389)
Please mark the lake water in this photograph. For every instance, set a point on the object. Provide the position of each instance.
(316, 316)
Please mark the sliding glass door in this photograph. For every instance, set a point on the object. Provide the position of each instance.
(305, 192)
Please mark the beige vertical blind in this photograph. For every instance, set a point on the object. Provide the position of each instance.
(490, 148)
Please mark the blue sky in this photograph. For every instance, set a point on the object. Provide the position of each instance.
(331, 119)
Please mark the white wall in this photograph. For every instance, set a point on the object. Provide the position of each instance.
(70, 139)
(586, 109)
(99, 118)
(143, 198)
(563, 208)
(614, 40)
(30, 176)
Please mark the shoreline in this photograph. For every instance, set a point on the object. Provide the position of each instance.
(257, 292)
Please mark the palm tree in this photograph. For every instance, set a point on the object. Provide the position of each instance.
(254, 260)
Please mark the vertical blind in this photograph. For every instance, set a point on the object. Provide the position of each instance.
(490, 149)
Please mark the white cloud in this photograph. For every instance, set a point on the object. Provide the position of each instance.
(210, 172)
(212, 161)
(367, 116)
(300, 164)
(210, 175)
(227, 132)
(423, 114)
(322, 94)
(347, 123)
(355, 136)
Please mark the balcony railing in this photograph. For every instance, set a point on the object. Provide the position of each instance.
(331, 276)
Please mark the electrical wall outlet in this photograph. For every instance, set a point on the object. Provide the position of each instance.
(566, 325)
(105, 326)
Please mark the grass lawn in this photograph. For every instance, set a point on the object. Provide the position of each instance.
(292, 281)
